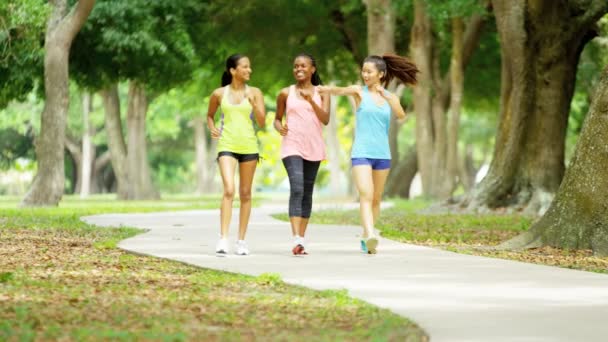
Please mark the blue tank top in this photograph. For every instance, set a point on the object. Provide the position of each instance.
(371, 131)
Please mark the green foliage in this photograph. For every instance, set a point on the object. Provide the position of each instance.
(150, 42)
(21, 47)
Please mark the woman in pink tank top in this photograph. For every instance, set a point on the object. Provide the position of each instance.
(305, 112)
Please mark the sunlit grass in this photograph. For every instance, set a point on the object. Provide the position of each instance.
(62, 279)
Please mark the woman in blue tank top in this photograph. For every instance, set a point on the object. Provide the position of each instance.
(371, 154)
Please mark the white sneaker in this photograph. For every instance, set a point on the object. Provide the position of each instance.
(241, 248)
(221, 249)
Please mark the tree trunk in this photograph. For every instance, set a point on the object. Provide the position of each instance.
(541, 42)
(578, 218)
(421, 52)
(88, 149)
(450, 181)
(466, 169)
(137, 154)
(381, 40)
(401, 177)
(333, 150)
(201, 150)
(48, 185)
(436, 131)
(76, 154)
(212, 184)
(116, 142)
(380, 27)
(98, 165)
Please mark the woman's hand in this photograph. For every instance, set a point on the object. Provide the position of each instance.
(283, 130)
(250, 97)
(215, 133)
(380, 89)
(306, 95)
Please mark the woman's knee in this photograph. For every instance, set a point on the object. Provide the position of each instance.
(229, 193)
(245, 194)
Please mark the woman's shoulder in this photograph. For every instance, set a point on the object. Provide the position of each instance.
(218, 92)
(255, 90)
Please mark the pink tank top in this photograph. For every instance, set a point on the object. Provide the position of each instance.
(305, 131)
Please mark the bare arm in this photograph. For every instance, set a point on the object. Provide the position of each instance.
(354, 91)
(214, 102)
(256, 98)
(278, 118)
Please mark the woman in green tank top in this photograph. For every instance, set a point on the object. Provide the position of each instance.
(240, 105)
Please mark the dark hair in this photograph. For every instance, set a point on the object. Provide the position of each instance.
(315, 79)
(231, 62)
(394, 66)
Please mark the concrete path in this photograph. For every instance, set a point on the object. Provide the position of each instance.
(453, 297)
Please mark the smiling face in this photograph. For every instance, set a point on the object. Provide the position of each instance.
(370, 74)
(303, 69)
(242, 71)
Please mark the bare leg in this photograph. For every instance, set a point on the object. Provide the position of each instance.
(303, 226)
(296, 223)
(362, 175)
(246, 172)
(227, 166)
(379, 179)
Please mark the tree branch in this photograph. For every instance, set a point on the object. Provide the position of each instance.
(592, 13)
(102, 160)
(74, 21)
(72, 145)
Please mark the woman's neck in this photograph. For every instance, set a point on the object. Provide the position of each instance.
(304, 84)
(372, 87)
(237, 85)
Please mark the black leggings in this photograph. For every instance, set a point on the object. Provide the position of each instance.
(302, 174)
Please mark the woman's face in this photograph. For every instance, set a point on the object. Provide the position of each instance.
(303, 69)
(243, 70)
(370, 74)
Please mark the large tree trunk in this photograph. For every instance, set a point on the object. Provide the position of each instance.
(48, 185)
(578, 218)
(116, 142)
(88, 149)
(541, 42)
(137, 153)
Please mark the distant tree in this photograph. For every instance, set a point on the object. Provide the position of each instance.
(153, 46)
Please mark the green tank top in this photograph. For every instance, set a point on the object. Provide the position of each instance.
(237, 134)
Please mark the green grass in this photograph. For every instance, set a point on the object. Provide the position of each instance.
(61, 279)
(462, 233)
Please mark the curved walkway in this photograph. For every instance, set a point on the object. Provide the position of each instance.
(454, 297)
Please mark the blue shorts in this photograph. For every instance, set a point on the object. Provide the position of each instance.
(376, 164)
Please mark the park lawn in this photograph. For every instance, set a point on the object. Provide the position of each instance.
(463, 233)
(62, 279)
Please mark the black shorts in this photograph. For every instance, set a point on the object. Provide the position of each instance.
(241, 158)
